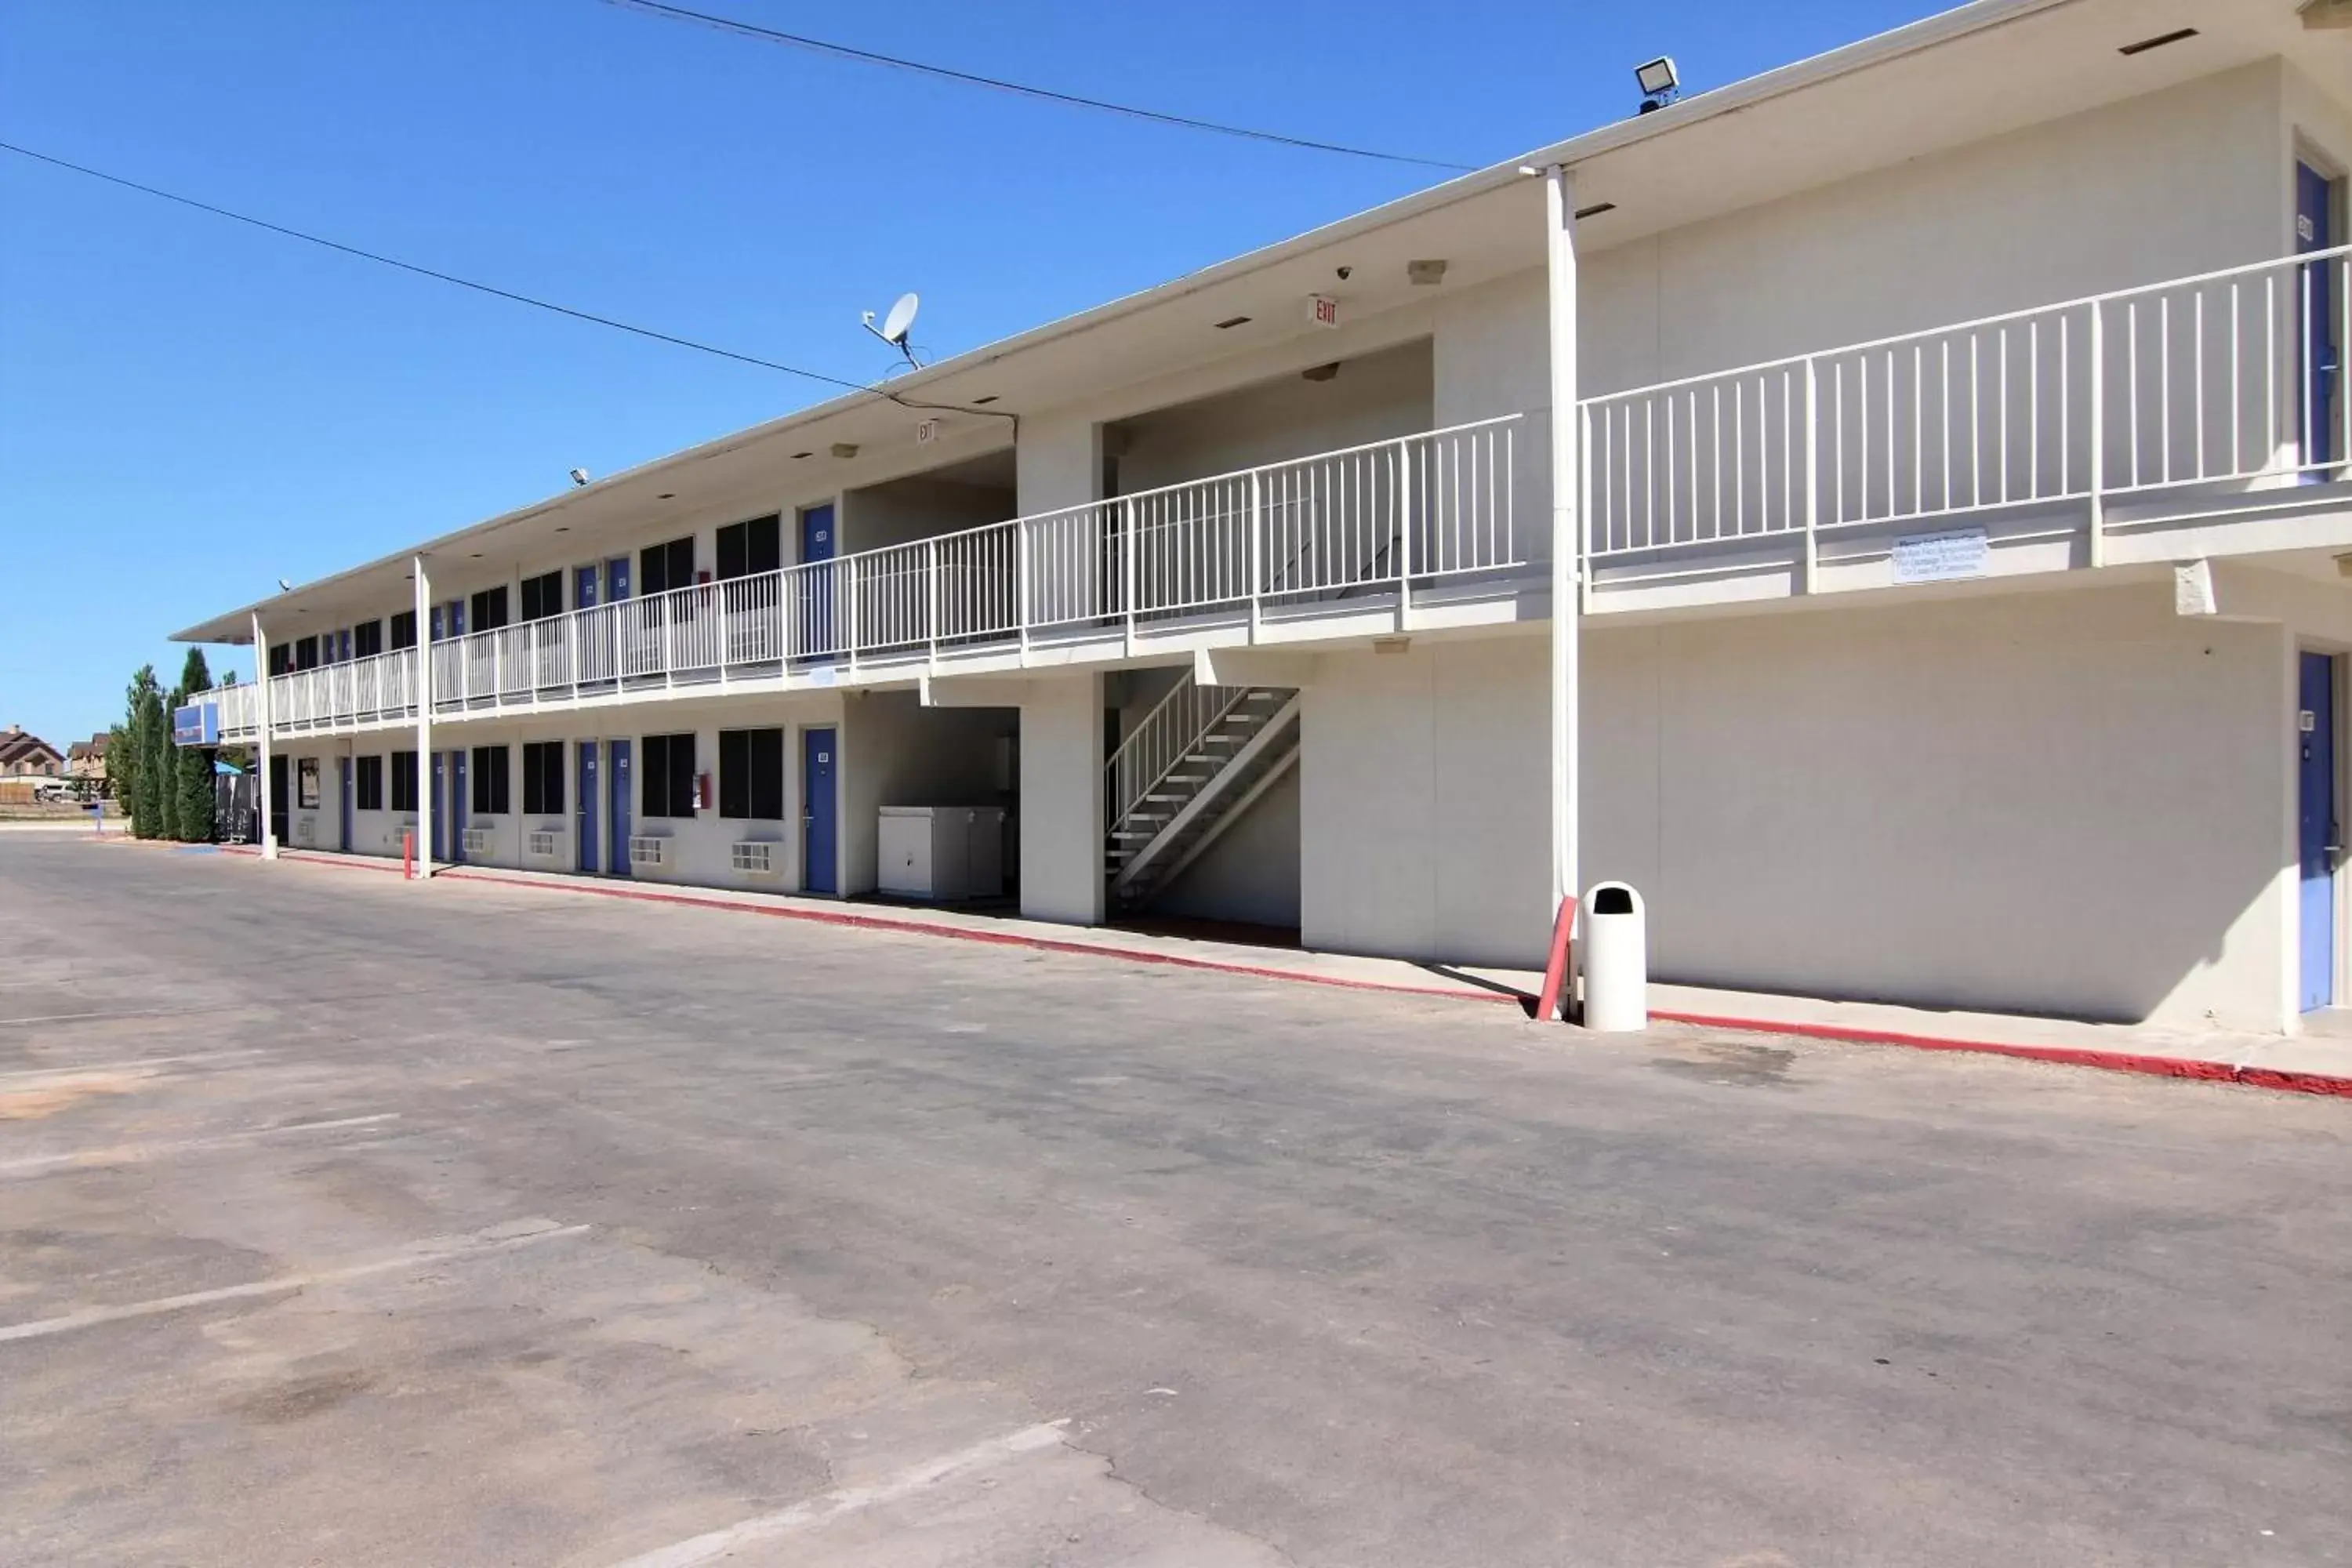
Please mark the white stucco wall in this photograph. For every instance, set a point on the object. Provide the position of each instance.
(1422, 783)
(2161, 187)
(1373, 397)
(884, 515)
(1062, 799)
(2065, 802)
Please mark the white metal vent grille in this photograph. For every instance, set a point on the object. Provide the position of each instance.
(648, 851)
(478, 840)
(755, 857)
(544, 843)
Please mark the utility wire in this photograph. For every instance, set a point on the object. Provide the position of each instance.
(411, 266)
(972, 79)
(495, 292)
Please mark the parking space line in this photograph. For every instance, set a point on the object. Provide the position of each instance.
(830, 1505)
(127, 1064)
(132, 1153)
(520, 1233)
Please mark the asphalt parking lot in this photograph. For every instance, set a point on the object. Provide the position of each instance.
(345, 1222)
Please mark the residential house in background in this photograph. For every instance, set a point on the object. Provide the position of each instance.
(1893, 510)
(86, 760)
(24, 755)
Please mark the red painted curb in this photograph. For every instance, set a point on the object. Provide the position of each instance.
(2279, 1078)
(994, 938)
(2068, 1055)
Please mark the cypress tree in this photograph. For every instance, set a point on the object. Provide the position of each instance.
(121, 771)
(193, 781)
(147, 780)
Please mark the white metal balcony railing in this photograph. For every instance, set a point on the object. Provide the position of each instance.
(2220, 380)
(1381, 517)
(2221, 383)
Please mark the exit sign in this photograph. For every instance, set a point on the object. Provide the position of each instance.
(1322, 311)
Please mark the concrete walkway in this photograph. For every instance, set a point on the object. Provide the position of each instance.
(2311, 1063)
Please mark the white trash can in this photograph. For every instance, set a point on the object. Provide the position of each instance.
(1616, 945)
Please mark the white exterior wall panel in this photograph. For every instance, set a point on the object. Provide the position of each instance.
(2166, 185)
(2067, 803)
(1422, 813)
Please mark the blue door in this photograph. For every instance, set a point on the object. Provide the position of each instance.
(815, 609)
(584, 588)
(618, 796)
(616, 579)
(820, 760)
(440, 850)
(2315, 836)
(347, 793)
(457, 803)
(2314, 229)
(584, 828)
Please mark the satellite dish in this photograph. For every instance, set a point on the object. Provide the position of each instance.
(900, 320)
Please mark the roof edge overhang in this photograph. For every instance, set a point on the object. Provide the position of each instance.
(1967, 20)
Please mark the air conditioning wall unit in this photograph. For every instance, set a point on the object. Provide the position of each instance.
(756, 856)
(648, 851)
(544, 843)
(480, 839)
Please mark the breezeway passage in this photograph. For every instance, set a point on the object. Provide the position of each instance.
(1307, 1275)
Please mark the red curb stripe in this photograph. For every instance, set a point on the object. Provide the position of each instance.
(2283, 1079)
(2067, 1055)
(994, 938)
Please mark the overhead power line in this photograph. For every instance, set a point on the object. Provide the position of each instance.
(998, 84)
(440, 276)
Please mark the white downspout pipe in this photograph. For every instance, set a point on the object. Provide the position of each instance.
(261, 704)
(1567, 526)
(424, 721)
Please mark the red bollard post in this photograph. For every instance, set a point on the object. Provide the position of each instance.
(408, 855)
(1555, 981)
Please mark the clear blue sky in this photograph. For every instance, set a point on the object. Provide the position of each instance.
(189, 410)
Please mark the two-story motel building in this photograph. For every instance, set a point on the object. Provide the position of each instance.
(1891, 510)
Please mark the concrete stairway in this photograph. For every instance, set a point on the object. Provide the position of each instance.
(1188, 781)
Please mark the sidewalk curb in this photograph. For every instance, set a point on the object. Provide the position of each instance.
(2280, 1079)
(2190, 1067)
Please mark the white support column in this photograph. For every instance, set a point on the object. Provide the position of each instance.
(1567, 525)
(424, 721)
(261, 672)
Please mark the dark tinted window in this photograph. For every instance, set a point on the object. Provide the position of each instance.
(404, 629)
(665, 786)
(543, 778)
(747, 549)
(661, 567)
(403, 781)
(489, 780)
(367, 639)
(752, 774)
(488, 611)
(542, 597)
(306, 653)
(367, 784)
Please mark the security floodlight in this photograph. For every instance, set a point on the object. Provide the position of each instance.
(284, 587)
(579, 476)
(1658, 82)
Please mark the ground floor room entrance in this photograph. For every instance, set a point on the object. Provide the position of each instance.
(2317, 839)
(819, 755)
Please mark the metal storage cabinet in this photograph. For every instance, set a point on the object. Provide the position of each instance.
(941, 852)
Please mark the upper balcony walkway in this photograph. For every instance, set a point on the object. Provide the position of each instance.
(1372, 538)
(2103, 431)
(2200, 415)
